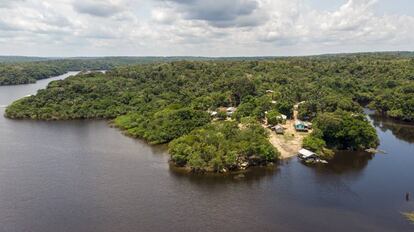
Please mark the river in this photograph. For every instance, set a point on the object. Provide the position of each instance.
(85, 176)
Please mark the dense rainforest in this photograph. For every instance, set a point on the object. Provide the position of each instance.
(26, 70)
(172, 103)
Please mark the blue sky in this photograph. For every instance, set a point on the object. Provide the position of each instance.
(203, 27)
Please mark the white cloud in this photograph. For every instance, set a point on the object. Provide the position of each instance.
(197, 27)
(99, 8)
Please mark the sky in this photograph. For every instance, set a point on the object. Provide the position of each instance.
(204, 27)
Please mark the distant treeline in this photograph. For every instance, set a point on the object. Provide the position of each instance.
(25, 70)
(15, 70)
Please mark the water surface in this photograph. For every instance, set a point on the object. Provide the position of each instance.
(86, 176)
(10, 93)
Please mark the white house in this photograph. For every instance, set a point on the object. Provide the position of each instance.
(306, 154)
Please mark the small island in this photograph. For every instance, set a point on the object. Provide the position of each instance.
(229, 115)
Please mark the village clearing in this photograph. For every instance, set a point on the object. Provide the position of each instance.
(289, 143)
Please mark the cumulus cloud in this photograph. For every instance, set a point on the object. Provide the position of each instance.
(224, 13)
(9, 3)
(99, 8)
(353, 22)
(198, 27)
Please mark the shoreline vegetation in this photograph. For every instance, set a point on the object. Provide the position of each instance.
(212, 113)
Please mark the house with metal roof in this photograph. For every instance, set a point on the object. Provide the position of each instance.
(300, 126)
(306, 154)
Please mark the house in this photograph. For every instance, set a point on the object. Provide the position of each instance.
(308, 125)
(310, 157)
(300, 126)
(279, 129)
(282, 117)
(230, 111)
(305, 154)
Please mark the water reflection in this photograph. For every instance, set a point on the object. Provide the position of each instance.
(346, 162)
(401, 130)
(252, 175)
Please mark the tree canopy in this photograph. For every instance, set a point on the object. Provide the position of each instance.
(161, 102)
(223, 146)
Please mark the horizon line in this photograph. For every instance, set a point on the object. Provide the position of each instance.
(211, 57)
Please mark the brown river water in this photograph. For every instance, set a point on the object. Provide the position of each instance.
(85, 176)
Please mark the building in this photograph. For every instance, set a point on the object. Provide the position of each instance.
(230, 111)
(305, 154)
(308, 125)
(310, 157)
(300, 126)
(282, 117)
(279, 129)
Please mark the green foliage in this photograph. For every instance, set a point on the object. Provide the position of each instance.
(315, 143)
(253, 107)
(273, 117)
(221, 115)
(79, 97)
(329, 103)
(222, 145)
(162, 126)
(29, 72)
(164, 101)
(285, 107)
(344, 130)
(397, 103)
(25, 70)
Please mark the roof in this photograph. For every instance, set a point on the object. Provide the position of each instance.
(278, 127)
(306, 153)
(231, 109)
(282, 116)
(299, 123)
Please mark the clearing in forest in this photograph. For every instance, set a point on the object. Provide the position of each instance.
(290, 142)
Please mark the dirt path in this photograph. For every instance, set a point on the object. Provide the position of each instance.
(289, 143)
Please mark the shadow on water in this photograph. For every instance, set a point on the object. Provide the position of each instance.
(346, 162)
(251, 175)
(401, 130)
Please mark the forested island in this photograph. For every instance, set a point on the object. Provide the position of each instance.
(172, 102)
